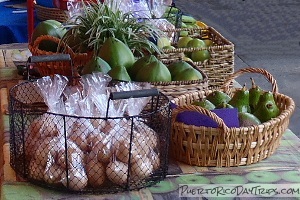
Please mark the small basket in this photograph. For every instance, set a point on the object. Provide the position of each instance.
(176, 88)
(223, 146)
(45, 13)
(221, 63)
(58, 67)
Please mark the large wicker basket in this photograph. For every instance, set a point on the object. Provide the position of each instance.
(58, 67)
(223, 146)
(221, 63)
(46, 13)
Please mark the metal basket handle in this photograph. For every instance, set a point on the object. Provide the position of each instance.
(47, 58)
(131, 94)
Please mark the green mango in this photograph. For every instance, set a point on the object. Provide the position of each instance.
(266, 108)
(188, 74)
(139, 64)
(204, 103)
(155, 71)
(248, 119)
(178, 67)
(119, 73)
(254, 94)
(217, 97)
(96, 64)
(240, 100)
(116, 53)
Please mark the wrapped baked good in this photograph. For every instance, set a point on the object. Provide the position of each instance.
(117, 172)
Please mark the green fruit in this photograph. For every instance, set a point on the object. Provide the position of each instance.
(119, 73)
(170, 47)
(202, 55)
(188, 19)
(183, 33)
(217, 97)
(155, 71)
(162, 42)
(254, 95)
(116, 53)
(208, 42)
(224, 105)
(96, 64)
(188, 74)
(204, 103)
(240, 100)
(48, 27)
(266, 108)
(178, 67)
(196, 43)
(248, 119)
(182, 42)
(139, 64)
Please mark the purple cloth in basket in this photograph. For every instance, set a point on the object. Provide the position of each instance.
(229, 116)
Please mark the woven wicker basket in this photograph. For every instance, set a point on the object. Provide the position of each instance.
(58, 67)
(45, 13)
(176, 88)
(223, 146)
(221, 63)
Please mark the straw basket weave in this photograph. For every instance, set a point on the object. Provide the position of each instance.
(58, 67)
(221, 63)
(174, 89)
(223, 146)
(46, 13)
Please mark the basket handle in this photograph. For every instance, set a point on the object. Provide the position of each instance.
(134, 94)
(39, 39)
(220, 122)
(267, 75)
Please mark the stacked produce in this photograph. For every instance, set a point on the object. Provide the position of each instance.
(119, 43)
(252, 106)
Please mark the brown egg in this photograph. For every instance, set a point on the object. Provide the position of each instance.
(155, 160)
(46, 149)
(96, 173)
(75, 156)
(117, 172)
(122, 149)
(142, 168)
(79, 135)
(36, 171)
(51, 126)
(77, 179)
(93, 138)
(147, 134)
(103, 149)
(53, 173)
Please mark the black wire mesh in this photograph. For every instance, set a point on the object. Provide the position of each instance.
(76, 154)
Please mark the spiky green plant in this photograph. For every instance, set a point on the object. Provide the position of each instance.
(99, 21)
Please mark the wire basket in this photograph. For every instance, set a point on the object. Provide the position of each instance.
(223, 146)
(79, 161)
(219, 66)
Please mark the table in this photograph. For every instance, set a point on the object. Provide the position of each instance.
(282, 169)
